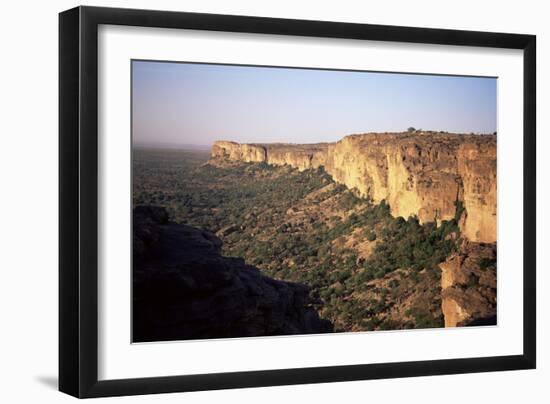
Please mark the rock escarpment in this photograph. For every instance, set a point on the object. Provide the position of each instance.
(184, 289)
(468, 286)
(422, 174)
(299, 156)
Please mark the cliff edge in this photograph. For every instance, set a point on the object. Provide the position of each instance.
(422, 174)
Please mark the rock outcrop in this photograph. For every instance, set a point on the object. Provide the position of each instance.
(421, 174)
(184, 289)
(468, 286)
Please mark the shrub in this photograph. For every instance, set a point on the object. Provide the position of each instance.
(487, 263)
(393, 283)
(459, 209)
(473, 280)
(371, 236)
(389, 325)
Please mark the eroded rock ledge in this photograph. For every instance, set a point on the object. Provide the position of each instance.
(421, 174)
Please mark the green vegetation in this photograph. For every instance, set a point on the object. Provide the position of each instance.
(459, 206)
(423, 318)
(210, 197)
(407, 244)
(359, 261)
(487, 263)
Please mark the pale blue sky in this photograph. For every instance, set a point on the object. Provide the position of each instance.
(195, 104)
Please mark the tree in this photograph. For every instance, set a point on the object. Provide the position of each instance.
(411, 129)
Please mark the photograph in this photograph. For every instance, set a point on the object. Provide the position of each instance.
(273, 200)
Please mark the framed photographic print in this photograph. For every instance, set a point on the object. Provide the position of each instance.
(250, 201)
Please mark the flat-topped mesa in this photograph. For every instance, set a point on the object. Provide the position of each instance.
(416, 174)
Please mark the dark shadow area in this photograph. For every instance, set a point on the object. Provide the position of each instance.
(185, 289)
(492, 320)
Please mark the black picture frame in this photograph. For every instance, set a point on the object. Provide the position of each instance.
(78, 201)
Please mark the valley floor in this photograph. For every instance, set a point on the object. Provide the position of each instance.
(366, 270)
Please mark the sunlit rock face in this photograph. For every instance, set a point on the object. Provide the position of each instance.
(239, 152)
(414, 174)
(302, 157)
(422, 174)
(478, 170)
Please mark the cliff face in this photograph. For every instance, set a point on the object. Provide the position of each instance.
(417, 174)
(301, 157)
(477, 168)
(183, 288)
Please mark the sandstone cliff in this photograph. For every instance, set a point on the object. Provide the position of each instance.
(184, 289)
(421, 174)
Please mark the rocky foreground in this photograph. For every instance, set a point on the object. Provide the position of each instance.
(184, 288)
(422, 174)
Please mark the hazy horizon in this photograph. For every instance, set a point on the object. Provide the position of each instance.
(188, 105)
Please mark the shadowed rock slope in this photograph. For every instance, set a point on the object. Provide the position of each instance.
(184, 289)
